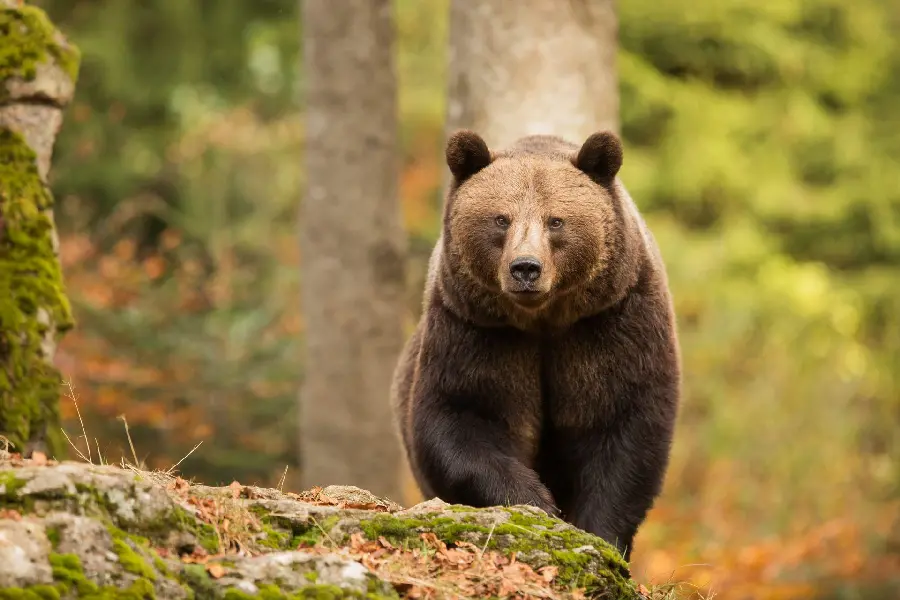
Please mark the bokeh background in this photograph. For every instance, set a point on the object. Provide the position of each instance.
(762, 144)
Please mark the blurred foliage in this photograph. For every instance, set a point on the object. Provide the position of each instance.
(762, 143)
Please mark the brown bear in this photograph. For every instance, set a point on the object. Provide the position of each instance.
(545, 369)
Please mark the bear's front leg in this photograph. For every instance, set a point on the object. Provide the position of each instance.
(620, 468)
(468, 459)
(475, 415)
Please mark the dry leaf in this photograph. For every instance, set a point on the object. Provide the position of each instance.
(235, 489)
(12, 515)
(215, 570)
(384, 543)
(39, 459)
(548, 573)
(643, 591)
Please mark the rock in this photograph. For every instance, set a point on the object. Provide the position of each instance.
(76, 530)
(23, 550)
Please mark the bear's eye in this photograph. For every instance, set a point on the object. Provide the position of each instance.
(556, 223)
(501, 221)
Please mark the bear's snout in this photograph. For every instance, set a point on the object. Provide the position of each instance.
(525, 269)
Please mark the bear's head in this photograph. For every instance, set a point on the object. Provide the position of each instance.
(538, 221)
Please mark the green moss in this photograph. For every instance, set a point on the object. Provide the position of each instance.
(281, 533)
(160, 564)
(274, 538)
(10, 485)
(178, 519)
(29, 384)
(133, 562)
(313, 532)
(402, 531)
(45, 592)
(26, 594)
(320, 592)
(29, 39)
(38, 592)
(182, 520)
(196, 578)
(68, 573)
(313, 592)
(53, 536)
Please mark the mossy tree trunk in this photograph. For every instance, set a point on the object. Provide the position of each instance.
(38, 69)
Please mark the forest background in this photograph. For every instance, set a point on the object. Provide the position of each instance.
(762, 143)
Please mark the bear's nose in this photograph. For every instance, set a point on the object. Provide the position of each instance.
(525, 269)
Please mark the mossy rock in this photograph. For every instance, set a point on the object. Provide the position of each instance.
(92, 531)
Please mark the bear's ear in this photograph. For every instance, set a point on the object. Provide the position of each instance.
(466, 154)
(600, 156)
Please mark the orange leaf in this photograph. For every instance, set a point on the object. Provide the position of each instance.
(215, 570)
(12, 515)
(235, 489)
(549, 573)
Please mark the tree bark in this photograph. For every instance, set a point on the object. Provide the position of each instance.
(521, 68)
(352, 247)
(38, 69)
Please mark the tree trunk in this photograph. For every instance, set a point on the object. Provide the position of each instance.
(38, 69)
(352, 247)
(521, 68)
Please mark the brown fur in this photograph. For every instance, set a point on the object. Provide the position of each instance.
(560, 392)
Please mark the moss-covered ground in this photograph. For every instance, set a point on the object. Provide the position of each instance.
(168, 537)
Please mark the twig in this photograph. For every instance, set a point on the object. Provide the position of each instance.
(281, 483)
(99, 456)
(87, 440)
(128, 434)
(325, 533)
(487, 541)
(74, 447)
(173, 467)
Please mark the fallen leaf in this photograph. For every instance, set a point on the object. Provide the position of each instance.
(39, 459)
(235, 489)
(384, 543)
(549, 573)
(12, 515)
(643, 591)
(215, 570)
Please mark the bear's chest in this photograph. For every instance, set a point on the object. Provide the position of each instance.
(578, 378)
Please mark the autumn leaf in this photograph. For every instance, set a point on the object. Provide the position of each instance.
(12, 515)
(235, 488)
(549, 573)
(215, 570)
(39, 459)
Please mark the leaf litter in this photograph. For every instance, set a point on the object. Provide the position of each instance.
(431, 570)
